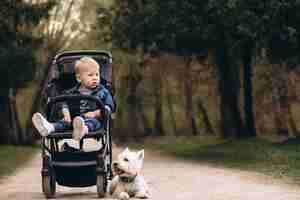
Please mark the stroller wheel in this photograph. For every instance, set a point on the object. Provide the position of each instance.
(101, 185)
(49, 186)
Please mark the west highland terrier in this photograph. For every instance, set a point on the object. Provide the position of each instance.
(128, 181)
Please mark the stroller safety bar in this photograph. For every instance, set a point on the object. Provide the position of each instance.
(64, 98)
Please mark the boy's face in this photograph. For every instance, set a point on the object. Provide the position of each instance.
(89, 76)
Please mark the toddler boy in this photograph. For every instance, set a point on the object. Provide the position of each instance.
(87, 73)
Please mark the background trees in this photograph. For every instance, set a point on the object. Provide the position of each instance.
(180, 67)
(234, 32)
(187, 29)
(17, 44)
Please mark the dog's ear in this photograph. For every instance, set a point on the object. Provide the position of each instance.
(141, 154)
(126, 150)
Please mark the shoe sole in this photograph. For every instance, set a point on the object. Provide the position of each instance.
(78, 126)
(37, 120)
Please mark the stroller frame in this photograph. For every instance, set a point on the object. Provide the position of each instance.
(76, 168)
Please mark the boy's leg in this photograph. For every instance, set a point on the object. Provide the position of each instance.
(42, 125)
(79, 128)
(93, 124)
(62, 126)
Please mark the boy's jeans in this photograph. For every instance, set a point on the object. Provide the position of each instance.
(93, 124)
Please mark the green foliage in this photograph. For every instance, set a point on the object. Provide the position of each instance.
(157, 24)
(189, 26)
(14, 60)
(17, 42)
(232, 31)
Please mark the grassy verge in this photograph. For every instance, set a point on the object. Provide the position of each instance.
(13, 157)
(255, 154)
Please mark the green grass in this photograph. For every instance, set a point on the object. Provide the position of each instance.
(13, 157)
(255, 154)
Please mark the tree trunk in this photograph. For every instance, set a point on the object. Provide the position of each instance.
(249, 128)
(5, 137)
(188, 85)
(281, 121)
(132, 102)
(172, 113)
(133, 119)
(208, 126)
(292, 122)
(133, 80)
(229, 82)
(9, 127)
(158, 120)
(293, 97)
(16, 130)
(144, 120)
(37, 100)
(282, 104)
(146, 123)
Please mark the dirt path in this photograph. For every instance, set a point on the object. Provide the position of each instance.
(168, 178)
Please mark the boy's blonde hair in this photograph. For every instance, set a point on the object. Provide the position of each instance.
(85, 61)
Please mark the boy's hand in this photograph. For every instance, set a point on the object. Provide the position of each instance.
(93, 114)
(67, 115)
(89, 114)
(67, 118)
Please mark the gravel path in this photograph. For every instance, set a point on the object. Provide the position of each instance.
(168, 178)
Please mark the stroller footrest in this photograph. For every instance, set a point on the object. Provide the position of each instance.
(69, 135)
(74, 164)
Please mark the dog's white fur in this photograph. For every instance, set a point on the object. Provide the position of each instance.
(128, 167)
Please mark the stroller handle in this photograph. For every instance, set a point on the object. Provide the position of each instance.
(63, 98)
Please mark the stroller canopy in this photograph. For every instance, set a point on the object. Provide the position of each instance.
(61, 74)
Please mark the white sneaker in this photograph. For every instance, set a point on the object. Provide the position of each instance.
(42, 125)
(79, 128)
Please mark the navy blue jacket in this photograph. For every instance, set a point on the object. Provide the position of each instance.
(99, 92)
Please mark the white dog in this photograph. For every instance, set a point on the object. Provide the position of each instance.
(128, 181)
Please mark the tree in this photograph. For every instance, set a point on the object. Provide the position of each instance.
(67, 25)
(282, 46)
(185, 28)
(271, 26)
(17, 44)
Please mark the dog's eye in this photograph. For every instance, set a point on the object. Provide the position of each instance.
(126, 159)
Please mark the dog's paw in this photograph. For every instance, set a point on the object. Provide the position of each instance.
(142, 195)
(124, 196)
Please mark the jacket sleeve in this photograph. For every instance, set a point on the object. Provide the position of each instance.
(108, 101)
(64, 105)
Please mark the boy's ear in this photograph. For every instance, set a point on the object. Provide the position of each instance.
(78, 78)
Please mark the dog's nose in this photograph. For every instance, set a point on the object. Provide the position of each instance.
(115, 164)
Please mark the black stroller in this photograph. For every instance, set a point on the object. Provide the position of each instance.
(71, 166)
